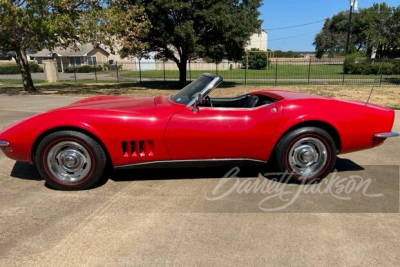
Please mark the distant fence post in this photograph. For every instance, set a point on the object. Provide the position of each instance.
(190, 72)
(116, 65)
(140, 73)
(95, 71)
(276, 71)
(163, 63)
(74, 72)
(344, 73)
(245, 70)
(380, 81)
(309, 71)
(216, 68)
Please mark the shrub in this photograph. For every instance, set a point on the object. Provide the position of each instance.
(256, 60)
(353, 65)
(106, 66)
(83, 69)
(9, 69)
(35, 68)
(349, 64)
(14, 69)
(396, 66)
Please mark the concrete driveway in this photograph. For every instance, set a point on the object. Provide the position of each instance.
(163, 217)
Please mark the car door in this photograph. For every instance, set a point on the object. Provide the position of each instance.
(222, 133)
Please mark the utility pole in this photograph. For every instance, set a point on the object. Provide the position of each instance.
(353, 6)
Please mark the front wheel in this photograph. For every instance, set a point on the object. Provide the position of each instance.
(70, 160)
(307, 153)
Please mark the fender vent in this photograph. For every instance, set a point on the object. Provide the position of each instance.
(138, 148)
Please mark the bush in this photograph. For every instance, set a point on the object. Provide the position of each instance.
(14, 69)
(9, 69)
(35, 68)
(353, 65)
(83, 69)
(256, 60)
(106, 66)
(349, 64)
(396, 67)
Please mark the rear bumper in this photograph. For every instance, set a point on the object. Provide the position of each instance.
(4, 144)
(386, 135)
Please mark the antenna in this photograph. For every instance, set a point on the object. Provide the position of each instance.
(373, 86)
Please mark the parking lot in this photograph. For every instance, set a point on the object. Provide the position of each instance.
(163, 217)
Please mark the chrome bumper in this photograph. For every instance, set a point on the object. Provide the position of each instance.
(4, 144)
(386, 135)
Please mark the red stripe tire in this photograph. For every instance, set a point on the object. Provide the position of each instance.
(69, 160)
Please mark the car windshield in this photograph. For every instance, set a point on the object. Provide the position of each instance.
(191, 91)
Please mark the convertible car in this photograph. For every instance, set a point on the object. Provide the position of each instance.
(300, 133)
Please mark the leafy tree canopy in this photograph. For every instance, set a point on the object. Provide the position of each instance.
(184, 30)
(34, 24)
(375, 28)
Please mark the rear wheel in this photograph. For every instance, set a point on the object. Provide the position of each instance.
(70, 160)
(308, 153)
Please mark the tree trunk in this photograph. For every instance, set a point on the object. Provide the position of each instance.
(24, 68)
(182, 72)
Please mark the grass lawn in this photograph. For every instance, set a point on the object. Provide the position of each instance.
(281, 72)
(385, 95)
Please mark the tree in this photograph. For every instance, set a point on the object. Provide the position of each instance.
(375, 28)
(117, 26)
(332, 38)
(186, 30)
(34, 24)
(381, 29)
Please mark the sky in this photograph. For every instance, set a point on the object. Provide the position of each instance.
(284, 13)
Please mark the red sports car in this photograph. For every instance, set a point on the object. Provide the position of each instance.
(302, 133)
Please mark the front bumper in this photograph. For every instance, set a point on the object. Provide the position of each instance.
(4, 144)
(386, 135)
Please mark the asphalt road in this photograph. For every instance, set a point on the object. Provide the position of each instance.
(163, 217)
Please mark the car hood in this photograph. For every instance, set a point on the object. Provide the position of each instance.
(116, 103)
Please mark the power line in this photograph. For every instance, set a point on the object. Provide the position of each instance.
(289, 37)
(295, 26)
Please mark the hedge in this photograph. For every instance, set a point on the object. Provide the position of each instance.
(353, 65)
(83, 69)
(14, 69)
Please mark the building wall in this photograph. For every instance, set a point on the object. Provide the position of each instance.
(258, 40)
(200, 65)
(39, 60)
(100, 54)
(7, 62)
(118, 58)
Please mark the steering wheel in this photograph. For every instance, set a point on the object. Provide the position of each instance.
(208, 101)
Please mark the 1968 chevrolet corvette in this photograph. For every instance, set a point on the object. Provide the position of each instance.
(302, 133)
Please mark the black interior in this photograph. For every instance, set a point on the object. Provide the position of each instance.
(243, 101)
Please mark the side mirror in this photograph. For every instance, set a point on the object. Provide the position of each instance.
(198, 101)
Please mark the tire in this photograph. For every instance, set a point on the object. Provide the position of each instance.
(69, 160)
(309, 153)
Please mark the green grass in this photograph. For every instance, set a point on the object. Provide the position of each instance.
(282, 72)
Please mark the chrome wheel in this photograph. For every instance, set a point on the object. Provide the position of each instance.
(307, 157)
(69, 162)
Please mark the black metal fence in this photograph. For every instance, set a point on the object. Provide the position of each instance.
(277, 72)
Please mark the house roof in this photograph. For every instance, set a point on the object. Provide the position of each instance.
(80, 50)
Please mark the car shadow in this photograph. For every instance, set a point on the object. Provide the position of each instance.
(26, 171)
(209, 173)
